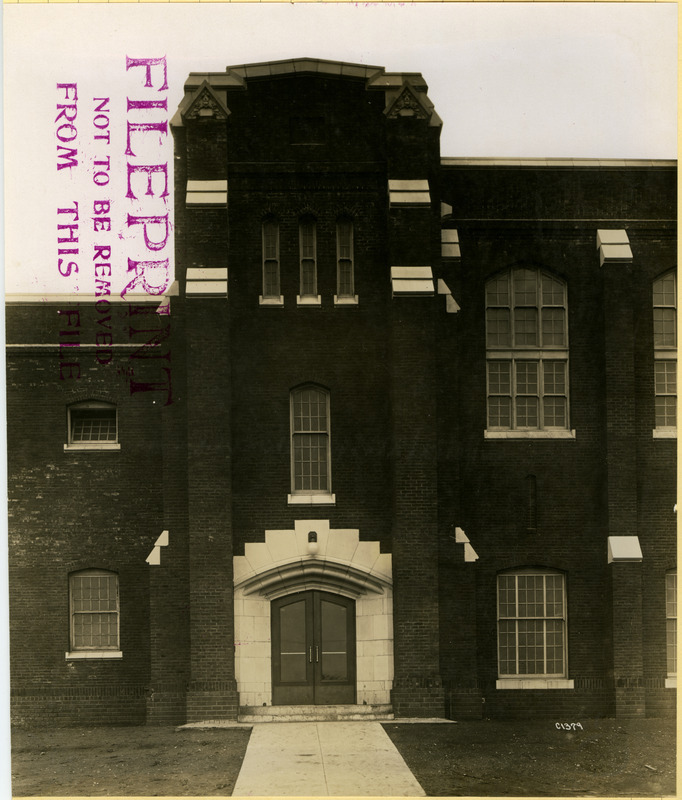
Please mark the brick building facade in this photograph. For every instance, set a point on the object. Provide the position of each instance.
(405, 438)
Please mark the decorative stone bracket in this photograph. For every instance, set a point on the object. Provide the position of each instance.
(614, 247)
(469, 553)
(154, 558)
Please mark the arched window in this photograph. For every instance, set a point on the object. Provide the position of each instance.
(271, 281)
(531, 611)
(92, 424)
(345, 277)
(94, 610)
(310, 441)
(307, 232)
(527, 351)
(665, 352)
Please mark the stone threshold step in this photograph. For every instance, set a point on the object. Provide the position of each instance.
(251, 714)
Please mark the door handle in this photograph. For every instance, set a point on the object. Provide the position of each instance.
(317, 653)
(310, 654)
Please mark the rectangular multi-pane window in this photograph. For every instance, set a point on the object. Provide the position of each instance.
(271, 289)
(527, 395)
(526, 341)
(92, 422)
(311, 471)
(665, 345)
(665, 304)
(665, 377)
(94, 610)
(344, 256)
(308, 247)
(671, 621)
(531, 624)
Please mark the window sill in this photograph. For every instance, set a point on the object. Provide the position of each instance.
(671, 682)
(664, 433)
(529, 434)
(311, 499)
(346, 301)
(534, 683)
(93, 446)
(274, 302)
(308, 300)
(100, 654)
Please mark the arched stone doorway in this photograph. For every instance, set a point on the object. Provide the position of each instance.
(343, 571)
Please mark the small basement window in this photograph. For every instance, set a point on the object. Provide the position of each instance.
(92, 425)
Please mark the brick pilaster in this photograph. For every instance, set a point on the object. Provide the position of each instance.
(212, 690)
(417, 687)
(621, 466)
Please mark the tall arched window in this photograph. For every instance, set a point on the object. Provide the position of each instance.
(93, 601)
(665, 352)
(307, 232)
(271, 281)
(527, 351)
(310, 441)
(531, 612)
(345, 277)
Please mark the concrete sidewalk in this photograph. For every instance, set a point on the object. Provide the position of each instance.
(324, 759)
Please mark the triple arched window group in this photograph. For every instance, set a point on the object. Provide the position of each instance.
(527, 351)
(307, 260)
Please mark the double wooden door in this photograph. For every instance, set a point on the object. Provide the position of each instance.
(313, 649)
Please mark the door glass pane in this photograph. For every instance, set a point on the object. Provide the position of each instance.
(334, 648)
(292, 642)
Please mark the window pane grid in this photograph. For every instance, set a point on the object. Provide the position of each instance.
(671, 622)
(271, 279)
(345, 284)
(553, 292)
(310, 411)
(525, 287)
(308, 278)
(665, 291)
(93, 425)
(497, 291)
(526, 309)
(307, 237)
(271, 259)
(310, 441)
(553, 327)
(344, 258)
(525, 327)
(664, 327)
(310, 462)
(536, 391)
(498, 327)
(94, 611)
(531, 627)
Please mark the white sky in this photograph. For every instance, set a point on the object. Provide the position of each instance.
(515, 80)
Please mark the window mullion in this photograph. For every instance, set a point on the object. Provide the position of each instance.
(541, 394)
(512, 385)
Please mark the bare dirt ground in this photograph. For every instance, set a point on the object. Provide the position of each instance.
(532, 758)
(141, 760)
(478, 758)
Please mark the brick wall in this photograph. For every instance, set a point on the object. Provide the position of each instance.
(77, 509)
